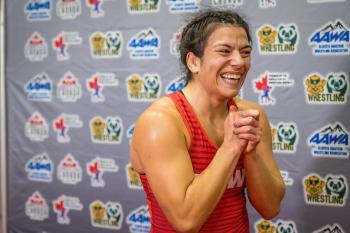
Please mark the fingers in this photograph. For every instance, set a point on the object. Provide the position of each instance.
(249, 113)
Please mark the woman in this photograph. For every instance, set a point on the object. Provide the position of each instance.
(199, 150)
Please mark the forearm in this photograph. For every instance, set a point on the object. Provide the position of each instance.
(265, 186)
(205, 191)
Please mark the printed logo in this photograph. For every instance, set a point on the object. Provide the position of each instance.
(331, 141)
(106, 45)
(62, 205)
(36, 128)
(324, 1)
(36, 48)
(95, 8)
(130, 132)
(69, 170)
(69, 88)
(96, 84)
(285, 137)
(63, 123)
(139, 220)
(281, 226)
(267, 3)
(36, 207)
(109, 215)
(39, 88)
(227, 3)
(286, 178)
(144, 45)
(267, 82)
(62, 41)
(331, 39)
(133, 177)
(336, 228)
(237, 181)
(38, 10)
(39, 168)
(109, 130)
(281, 40)
(175, 85)
(68, 9)
(146, 88)
(331, 191)
(143, 6)
(175, 43)
(183, 6)
(331, 90)
(97, 167)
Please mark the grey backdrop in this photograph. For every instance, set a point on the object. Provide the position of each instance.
(294, 120)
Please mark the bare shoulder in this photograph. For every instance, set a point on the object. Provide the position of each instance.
(162, 110)
(159, 124)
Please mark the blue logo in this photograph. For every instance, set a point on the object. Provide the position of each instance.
(40, 168)
(330, 141)
(37, 10)
(144, 45)
(331, 39)
(139, 220)
(39, 88)
(175, 85)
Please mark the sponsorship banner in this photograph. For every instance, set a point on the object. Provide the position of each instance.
(80, 72)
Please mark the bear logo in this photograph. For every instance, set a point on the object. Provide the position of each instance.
(287, 134)
(98, 41)
(114, 127)
(151, 84)
(265, 227)
(98, 127)
(337, 83)
(97, 211)
(285, 227)
(114, 212)
(335, 185)
(267, 36)
(113, 40)
(135, 84)
(315, 85)
(287, 34)
(314, 186)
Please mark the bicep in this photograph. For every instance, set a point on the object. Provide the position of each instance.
(161, 147)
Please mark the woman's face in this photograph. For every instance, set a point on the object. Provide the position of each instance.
(225, 61)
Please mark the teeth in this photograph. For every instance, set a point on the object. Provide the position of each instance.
(231, 76)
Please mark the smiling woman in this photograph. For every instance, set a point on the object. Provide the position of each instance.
(200, 149)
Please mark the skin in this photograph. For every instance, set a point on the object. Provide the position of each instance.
(188, 199)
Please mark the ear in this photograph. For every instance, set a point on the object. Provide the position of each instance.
(193, 62)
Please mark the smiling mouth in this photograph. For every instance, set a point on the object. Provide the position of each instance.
(231, 78)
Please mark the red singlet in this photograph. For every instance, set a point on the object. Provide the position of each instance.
(230, 214)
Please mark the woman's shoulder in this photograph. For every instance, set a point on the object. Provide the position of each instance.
(162, 109)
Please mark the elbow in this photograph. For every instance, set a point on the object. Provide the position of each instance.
(185, 226)
(270, 213)
(183, 223)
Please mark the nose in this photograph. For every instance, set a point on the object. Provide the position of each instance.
(236, 59)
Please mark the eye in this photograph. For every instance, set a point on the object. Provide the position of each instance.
(245, 53)
(224, 52)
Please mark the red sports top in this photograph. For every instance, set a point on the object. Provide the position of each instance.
(230, 214)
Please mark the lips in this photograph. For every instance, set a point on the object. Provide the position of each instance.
(231, 78)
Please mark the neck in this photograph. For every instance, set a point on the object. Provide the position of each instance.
(205, 105)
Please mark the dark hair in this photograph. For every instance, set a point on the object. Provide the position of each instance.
(196, 33)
